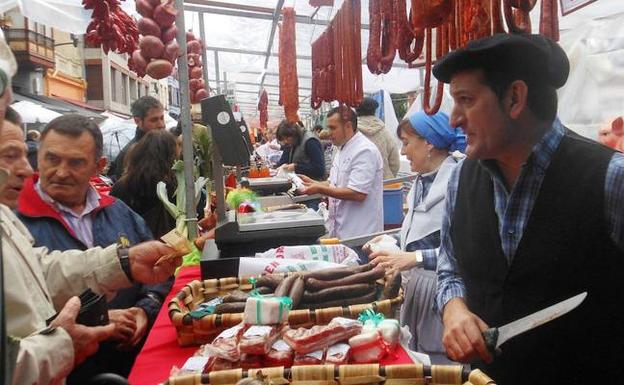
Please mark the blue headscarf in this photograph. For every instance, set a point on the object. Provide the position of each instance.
(437, 131)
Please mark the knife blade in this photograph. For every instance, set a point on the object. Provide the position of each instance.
(495, 337)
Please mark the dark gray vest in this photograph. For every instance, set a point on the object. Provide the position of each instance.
(565, 249)
(298, 153)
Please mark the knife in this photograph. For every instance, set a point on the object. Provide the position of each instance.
(495, 337)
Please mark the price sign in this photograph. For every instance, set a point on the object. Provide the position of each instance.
(569, 6)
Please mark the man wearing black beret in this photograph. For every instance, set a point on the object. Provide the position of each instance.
(534, 215)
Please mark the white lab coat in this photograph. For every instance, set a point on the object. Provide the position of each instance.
(359, 167)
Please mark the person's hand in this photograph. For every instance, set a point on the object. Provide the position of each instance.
(201, 240)
(125, 324)
(462, 336)
(141, 320)
(208, 222)
(289, 167)
(306, 179)
(85, 339)
(311, 188)
(143, 258)
(401, 261)
(367, 246)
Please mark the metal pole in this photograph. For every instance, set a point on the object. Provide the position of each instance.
(216, 53)
(185, 120)
(202, 36)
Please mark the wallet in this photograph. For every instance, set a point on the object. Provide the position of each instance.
(93, 310)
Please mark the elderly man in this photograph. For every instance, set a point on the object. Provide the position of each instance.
(37, 282)
(148, 114)
(533, 216)
(63, 211)
(355, 186)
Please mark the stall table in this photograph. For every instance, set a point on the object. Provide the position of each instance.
(161, 350)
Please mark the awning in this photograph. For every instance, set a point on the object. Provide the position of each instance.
(61, 106)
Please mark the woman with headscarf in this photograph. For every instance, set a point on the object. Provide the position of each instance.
(428, 143)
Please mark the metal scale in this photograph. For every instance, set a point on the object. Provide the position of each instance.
(239, 235)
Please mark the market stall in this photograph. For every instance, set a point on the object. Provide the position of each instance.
(317, 54)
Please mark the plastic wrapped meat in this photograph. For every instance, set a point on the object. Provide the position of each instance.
(367, 347)
(266, 310)
(304, 340)
(251, 361)
(281, 354)
(217, 363)
(258, 339)
(225, 346)
(390, 331)
(312, 358)
(338, 354)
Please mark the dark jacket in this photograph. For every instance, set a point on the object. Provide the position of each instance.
(117, 166)
(307, 155)
(111, 219)
(148, 206)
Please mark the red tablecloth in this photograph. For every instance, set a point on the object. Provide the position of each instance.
(161, 350)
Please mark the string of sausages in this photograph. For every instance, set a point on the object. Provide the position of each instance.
(288, 81)
(336, 59)
(111, 27)
(263, 104)
(382, 38)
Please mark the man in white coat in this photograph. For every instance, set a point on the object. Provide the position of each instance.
(38, 284)
(355, 185)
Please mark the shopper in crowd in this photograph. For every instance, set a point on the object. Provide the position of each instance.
(428, 141)
(533, 216)
(355, 185)
(303, 153)
(375, 130)
(32, 142)
(150, 162)
(38, 283)
(63, 211)
(326, 144)
(148, 114)
(270, 151)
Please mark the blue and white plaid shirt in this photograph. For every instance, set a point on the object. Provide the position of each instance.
(513, 208)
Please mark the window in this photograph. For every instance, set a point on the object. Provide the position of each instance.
(113, 78)
(124, 89)
(133, 90)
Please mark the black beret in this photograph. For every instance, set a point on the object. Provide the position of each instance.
(535, 56)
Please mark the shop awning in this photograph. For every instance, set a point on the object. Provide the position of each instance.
(62, 106)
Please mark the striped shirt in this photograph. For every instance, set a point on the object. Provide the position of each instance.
(513, 208)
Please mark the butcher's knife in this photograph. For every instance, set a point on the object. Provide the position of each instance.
(495, 337)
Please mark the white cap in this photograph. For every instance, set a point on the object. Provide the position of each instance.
(7, 60)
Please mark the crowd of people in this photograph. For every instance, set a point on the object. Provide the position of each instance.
(509, 212)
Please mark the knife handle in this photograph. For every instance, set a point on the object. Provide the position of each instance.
(491, 338)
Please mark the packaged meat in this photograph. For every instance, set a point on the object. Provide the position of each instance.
(304, 340)
(281, 354)
(251, 361)
(266, 310)
(311, 358)
(390, 331)
(258, 339)
(367, 347)
(217, 363)
(338, 354)
(225, 345)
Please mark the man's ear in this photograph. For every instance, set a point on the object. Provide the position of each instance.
(517, 98)
(137, 120)
(617, 127)
(101, 164)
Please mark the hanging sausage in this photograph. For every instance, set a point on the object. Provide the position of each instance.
(263, 104)
(288, 80)
(336, 59)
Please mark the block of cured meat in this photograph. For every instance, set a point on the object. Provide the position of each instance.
(305, 340)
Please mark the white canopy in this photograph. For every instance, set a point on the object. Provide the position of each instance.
(34, 113)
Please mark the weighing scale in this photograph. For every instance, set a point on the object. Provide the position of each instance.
(239, 235)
